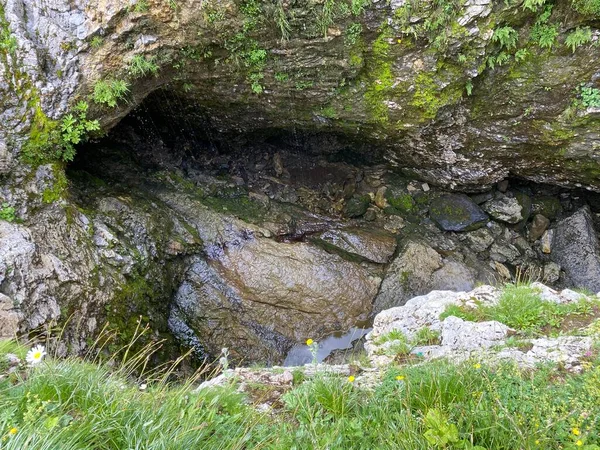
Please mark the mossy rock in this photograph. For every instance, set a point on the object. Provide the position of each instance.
(549, 207)
(357, 206)
(457, 212)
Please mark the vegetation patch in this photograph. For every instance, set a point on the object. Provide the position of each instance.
(521, 308)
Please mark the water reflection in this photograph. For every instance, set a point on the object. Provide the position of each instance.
(300, 354)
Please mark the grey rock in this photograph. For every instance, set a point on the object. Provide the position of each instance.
(575, 248)
(551, 272)
(9, 318)
(504, 209)
(408, 275)
(357, 206)
(546, 243)
(453, 276)
(455, 212)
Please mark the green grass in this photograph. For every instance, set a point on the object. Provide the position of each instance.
(73, 404)
(521, 308)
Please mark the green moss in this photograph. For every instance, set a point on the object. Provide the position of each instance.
(429, 96)
(403, 203)
(380, 78)
(59, 189)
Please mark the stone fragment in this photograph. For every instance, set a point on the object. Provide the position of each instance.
(357, 206)
(547, 241)
(480, 240)
(505, 209)
(551, 272)
(380, 200)
(575, 248)
(502, 270)
(502, 185)
(453, 276)
(374, 246)
(538, 227)
(457, 212)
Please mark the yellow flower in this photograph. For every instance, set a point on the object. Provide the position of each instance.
(575, 431)
(537, 442)
(351, 378)
(12, 431)
(309, 342)
(579, 443)
(400, 377)
(477, 366)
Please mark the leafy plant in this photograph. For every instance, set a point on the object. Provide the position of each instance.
(426, 336)
(521, 54)
(109, 92)
(358, 6)
(587, 7)
(590, 96)
(75, 129)
(353, 33)
(533, 5)
(140, 66)
(578, 38)
(506, 36)
(7, 212)
(544, 35)
(96, 42)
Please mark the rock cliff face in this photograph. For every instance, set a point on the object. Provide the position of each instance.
(264, 159)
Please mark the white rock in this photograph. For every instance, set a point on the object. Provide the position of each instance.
(464, 335)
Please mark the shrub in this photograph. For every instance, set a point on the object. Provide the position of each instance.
(109, 92)
(578, 38)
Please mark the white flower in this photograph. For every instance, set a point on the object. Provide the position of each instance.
(35, 355)
(143, 386)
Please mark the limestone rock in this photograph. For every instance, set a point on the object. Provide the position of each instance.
(575, 248)
(454, 212)
(9, 318)
(462, 335)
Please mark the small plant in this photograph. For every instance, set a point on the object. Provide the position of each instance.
(426, 336)
(469, 87)
(140, 66)
(544, 35)
(7, 213)
(224, 359)
(353, 33)
(74, 129)
(141, 6)
(358, 6)
(590, 97)
(533, 5)
(302, 85)
(96, 42)
(325, 20)
(578, 38)
(506, 36)
(282, 21)
(281, 77)
(314, 349)
(109, 92)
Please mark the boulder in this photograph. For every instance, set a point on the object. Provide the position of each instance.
(575, 248)
(408, 275)
(357, 206)
(457, 212)
(504, 209)
(260, 297)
